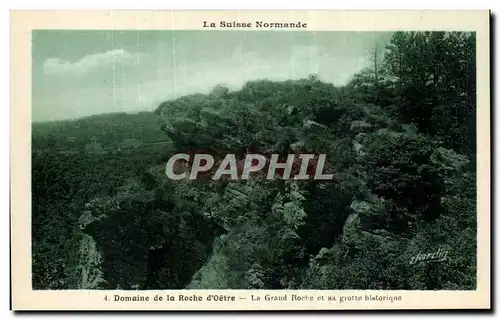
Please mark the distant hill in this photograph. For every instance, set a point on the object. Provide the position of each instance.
(109, 129)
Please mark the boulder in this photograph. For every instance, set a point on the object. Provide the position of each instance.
(361, 207)
(359, 126)
(358, 148)
(88, 271)
(367, 220)
(409, 128)
(449, 161)
(390, 133)
(309, 124)
(324, 257)
(354, 236)
(351, 233)
(371, 211)
(297, 146)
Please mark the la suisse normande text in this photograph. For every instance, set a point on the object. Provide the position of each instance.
(256, 24)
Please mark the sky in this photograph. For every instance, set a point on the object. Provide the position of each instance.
(79, 73)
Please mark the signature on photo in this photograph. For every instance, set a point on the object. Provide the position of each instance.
(439, 255)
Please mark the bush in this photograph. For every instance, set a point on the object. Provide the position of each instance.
(399, 168)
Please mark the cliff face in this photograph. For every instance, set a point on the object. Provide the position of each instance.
(390, 190)
(395, 192)
(88, 270)
(137, 239)
(391, 221)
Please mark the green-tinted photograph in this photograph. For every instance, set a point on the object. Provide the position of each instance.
(386, 120)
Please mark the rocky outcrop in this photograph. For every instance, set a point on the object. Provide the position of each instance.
(214, 273)
(225, 211)
(324, 256)
(355, 236)
(367, 221)
(88, 269)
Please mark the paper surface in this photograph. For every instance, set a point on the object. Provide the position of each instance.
(97, 224)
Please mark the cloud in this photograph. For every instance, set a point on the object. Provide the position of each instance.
(162, 77)
(86, 64)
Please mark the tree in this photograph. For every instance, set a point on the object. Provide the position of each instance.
(375, 59)
(436, 84)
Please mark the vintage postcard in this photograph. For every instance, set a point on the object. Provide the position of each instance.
(250, 160)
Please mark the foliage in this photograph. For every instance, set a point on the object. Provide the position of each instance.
(404, 184)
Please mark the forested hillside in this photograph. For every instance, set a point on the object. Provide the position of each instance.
(400, 142)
